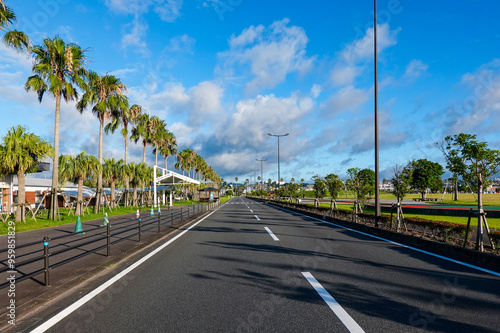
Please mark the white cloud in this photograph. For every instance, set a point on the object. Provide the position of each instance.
(272, 53)
(346, 99)
(167, 10)
(351, 60)
(205, 102)
(183, 43)
(415, 69)
(479, 112)
(135, 37)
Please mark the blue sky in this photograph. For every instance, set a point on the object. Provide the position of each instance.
(224, 73)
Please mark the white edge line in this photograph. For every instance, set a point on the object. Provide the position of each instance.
(64, 313)
(339, 311)
(399, 244)
(271, 233)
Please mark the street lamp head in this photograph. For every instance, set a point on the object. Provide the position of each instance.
(269, 134)
(286, 134)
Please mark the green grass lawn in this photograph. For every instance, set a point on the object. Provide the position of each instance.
(493, 223)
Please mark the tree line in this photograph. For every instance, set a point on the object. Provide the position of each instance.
(60, 70)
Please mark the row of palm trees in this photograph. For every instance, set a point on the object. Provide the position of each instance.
(59, 69)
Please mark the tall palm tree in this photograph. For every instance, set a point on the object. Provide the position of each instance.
(125, 117)
(135, 180)
(77, 169)
(167, 145)
(20, 152)
(140, 131)
(106, 95)
(112, 169)
(13, 38)
(58, 69)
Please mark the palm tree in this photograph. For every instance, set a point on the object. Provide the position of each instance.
(134, 180)
(13, 38)
(77, 169)
(112, 169)
(168, 144)
(20, 152)
(125, 117)
(140, 131)
(57, 68)
(106, 95)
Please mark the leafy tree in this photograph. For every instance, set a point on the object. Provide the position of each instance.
(401, 182)
(425, 175)
(334, 185)
(77, 169)
(20, 153)
(58, 69)
(362, 182)
(475, 162)
(106, 96)
(112, 170)
(319, 187)
(13, 38)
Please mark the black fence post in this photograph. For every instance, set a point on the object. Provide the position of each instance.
(181, 216)
(159, 213)
(108, 235)
(140, 229)
(46, 260)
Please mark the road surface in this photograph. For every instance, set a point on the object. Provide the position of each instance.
(251, 267)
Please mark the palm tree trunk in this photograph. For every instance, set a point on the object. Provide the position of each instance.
(127, 182)
(135, 196)
(21, 195)
(55, 164)
(166, 162)
(156, 156)
(144, 153)
(79, 197)
(99, 178)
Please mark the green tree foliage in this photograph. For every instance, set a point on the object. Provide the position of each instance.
(58, 69)
(319, 187)
(425, 175)
(401, 182)
(473, 160)
(13, 38)
(334, 185)
(362, 182)
(78, 169)
(20, 153)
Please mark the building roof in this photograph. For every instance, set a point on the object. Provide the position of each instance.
(208, 189)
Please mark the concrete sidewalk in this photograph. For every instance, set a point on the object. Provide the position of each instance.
(31, 293)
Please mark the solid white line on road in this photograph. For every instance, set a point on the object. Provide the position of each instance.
(271, 233)
(64, 313)
(344, 317)
(396, 243)
(257, 217)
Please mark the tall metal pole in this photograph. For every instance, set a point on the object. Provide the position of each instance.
(278, 136)
(377, 197)
(261, 173)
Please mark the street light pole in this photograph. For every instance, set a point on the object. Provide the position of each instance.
(278, 136)
(377, 199)
(261, 176)
(254, 179)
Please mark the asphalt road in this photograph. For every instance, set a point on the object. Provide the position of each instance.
(250, 267)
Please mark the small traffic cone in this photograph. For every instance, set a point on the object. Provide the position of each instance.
(78, 227)
(137, 214)
(159, 210)
(151, 213)
(106, 220)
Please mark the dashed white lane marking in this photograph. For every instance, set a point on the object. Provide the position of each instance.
(344, 317)
(271, 233)
(251, 210)
(257, 217)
